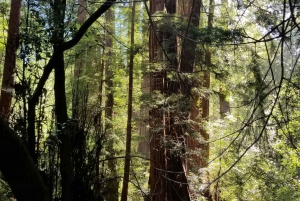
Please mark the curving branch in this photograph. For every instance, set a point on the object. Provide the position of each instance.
(26, 182)
(49, 67)
(18, 167)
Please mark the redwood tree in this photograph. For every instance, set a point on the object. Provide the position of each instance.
(168, 174)
(10, 58)
(157, 181)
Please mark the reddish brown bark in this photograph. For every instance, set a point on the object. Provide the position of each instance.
(157, 182)
(189, 10)
(198, 117)
(167, 174)
(10, 59)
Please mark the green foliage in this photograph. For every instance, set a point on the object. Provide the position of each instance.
(257, 140)
(206, 35)
(5, 192)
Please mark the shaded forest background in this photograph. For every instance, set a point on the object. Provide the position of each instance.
(149, 100)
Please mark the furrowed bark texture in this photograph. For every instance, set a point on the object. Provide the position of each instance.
(157, 181)
(168, 173)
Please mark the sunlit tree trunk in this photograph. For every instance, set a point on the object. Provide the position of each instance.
(157, 181)
(167, 170)
(189, 10)
(198, 117)
(81, 12)
(129, 113)
(10, 59)
(79, 62)
(112, 187)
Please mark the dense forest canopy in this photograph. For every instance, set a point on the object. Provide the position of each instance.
(149, 100)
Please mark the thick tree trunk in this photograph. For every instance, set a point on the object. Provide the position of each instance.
(18, 168)
(10, 59)
(167, 172)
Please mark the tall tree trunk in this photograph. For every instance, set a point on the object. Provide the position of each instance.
(129, 117)
(66, 169)
(26, 182)
(167, 172)
(79, 63)
(177, 184)
(143, 114)
(10, 59)
(189, 10)
(199, 117)
(98, 124)
(113, 186)
(157, 182)
(205, 101)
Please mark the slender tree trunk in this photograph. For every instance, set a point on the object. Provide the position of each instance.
(66, 169)
(98, 124)
(10, 59)
(157, 182)
(79, 63)
(129, 117)
(113, 186)
(26, 182)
